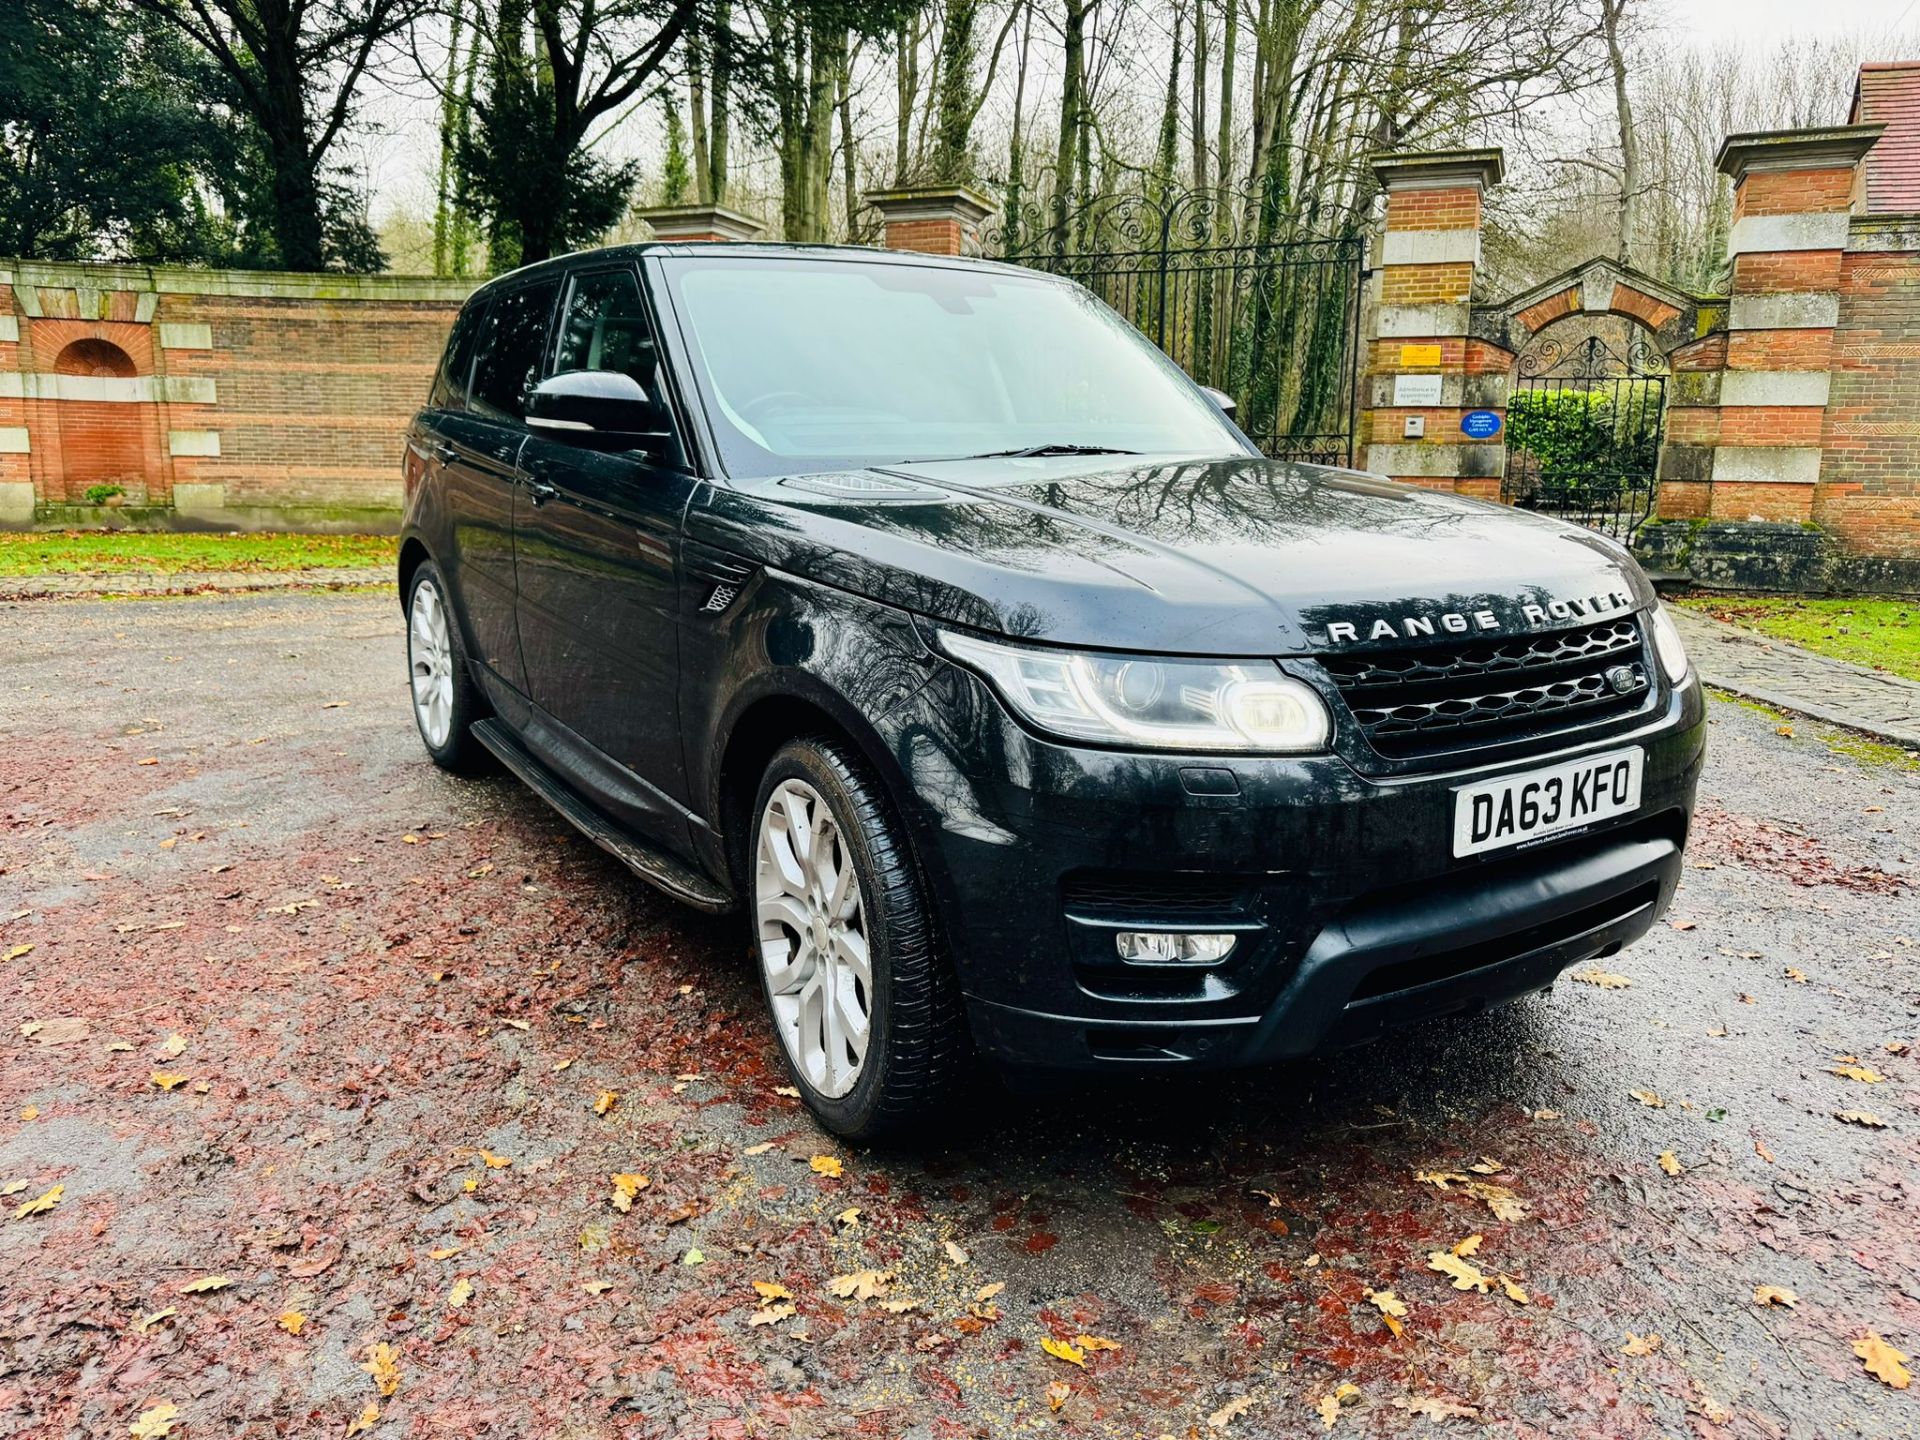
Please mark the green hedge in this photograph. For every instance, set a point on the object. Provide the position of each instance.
(1579, 437)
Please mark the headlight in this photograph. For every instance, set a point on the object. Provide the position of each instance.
(1666, 640)
(1247, 707)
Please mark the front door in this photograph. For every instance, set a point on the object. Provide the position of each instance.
(597, 550)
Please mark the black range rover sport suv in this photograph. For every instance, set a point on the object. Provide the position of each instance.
(924, 613)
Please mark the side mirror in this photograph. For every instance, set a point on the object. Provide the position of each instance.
(1228, 406)
(595, 407)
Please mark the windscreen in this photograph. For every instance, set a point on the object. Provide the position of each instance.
(808, 364)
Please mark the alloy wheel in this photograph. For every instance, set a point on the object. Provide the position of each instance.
(813, 938)
(430, 661)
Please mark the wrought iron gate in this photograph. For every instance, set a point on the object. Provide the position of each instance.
(1274, 323)
(1583, 433)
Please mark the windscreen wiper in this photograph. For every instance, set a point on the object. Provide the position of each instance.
(1027, 452)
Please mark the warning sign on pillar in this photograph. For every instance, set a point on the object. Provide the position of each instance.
(1414, 356)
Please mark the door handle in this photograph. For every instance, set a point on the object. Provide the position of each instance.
(445, 453)
(540, 492)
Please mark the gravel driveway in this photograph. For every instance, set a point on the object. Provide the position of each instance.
(329, 1062)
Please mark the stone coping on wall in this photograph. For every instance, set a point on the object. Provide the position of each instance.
(1891, 233)
(252, 284)
(1821, 147)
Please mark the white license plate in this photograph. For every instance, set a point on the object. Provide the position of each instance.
(1524, 807)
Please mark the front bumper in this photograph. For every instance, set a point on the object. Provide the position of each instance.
(1351, 912)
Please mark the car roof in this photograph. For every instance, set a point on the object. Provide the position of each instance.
(745, 249)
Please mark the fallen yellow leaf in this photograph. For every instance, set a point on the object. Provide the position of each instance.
(383, 1364)
(1774, 1295)
(147, 1322)
(167, 1080)
(1328, 1408)
(19, 951)
(1670, 1162)
(956, 1254)
(206, 1284)
(445, 1252)
(1648, 1099)
(1058, 1394)
(1463, 1275)
(625, 1187)
(1861, 1117)
(1064, 1350)
(364, 1421)
(605, 1101)
(495, 1162)
(1602, 979)
(1229, 1412)
(762, 1148)
(860, 1285)
(155, 1423)
(769, 1290)
(1865, 1074)
(1640, 1344)
(41, 1204)
(1388, 1303)
(1469, 1246)
(771, 1314)
(1511, 1289)
(1883, 1362)
(1504, 1204)
(1093, 1343)
(174, 1044)
(826, 1165)
(461, 1293)
(290, 1321)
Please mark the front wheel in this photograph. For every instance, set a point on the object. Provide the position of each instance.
(864, 1003)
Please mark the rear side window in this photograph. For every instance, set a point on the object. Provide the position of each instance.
(512, 345)
(604, 326)
(450, 383)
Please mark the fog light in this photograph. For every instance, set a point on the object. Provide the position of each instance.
(1167, 947)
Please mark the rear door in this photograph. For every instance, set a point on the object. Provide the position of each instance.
(481, 459)
(597, 555)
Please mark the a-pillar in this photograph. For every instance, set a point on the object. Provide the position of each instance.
(933, 219)
(1426, 374)
(704, 223)
(1793, 190)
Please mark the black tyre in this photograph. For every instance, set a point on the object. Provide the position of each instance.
(862, 998)
(440, 684)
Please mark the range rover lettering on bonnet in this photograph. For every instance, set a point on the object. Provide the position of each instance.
(1458, 622)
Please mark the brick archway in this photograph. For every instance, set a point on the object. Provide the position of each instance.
(1598, 287)
(105, 421)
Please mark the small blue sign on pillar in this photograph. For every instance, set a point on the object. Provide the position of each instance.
(1481, 424)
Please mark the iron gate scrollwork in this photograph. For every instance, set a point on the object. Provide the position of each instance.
(1583, 433)
(1271, 321)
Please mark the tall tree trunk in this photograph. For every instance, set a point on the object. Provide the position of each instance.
(952, 160)
(1073, 120)
(1197, 101)
(1223, 146)
(697, 105)
(849, 155)
(906, 86)
(1011, 237)
(1166, 155)
(1612, 12)
(719, 100)
(449, 114)
(460, 240)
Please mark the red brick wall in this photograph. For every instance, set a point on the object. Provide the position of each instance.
(314, 380)
(1870, 473)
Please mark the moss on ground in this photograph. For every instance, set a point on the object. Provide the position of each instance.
(1883, 632)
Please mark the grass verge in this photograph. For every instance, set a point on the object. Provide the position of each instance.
(136, 552)
(1884, 633)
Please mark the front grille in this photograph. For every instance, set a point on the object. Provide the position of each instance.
(1418, 702)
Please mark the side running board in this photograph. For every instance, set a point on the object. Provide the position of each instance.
(658, 869)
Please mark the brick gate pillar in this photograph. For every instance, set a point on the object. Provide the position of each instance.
(1425, 371)
(933, 219)
(1793, 190)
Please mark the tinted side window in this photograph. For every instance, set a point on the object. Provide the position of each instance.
(513, 342)
(604, 326)
(450, 382)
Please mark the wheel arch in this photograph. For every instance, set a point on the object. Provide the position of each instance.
(413, 553)
(755, 736)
